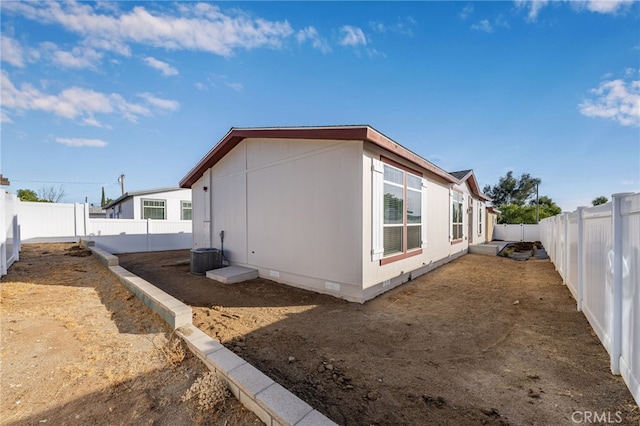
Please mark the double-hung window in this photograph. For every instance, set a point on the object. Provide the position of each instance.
(456, 215)
(402, 213)
(154, 209)
(185, 210)
(480, 229)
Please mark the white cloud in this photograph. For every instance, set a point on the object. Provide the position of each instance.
(78, 57)
(403, 25)
(76, 102)
(466, 12)
(236, 86)
(627, 182)
(11, 52)
(616, 100)
(310, 33)
(599, 6)
(165, 68)
(4, 118)
(199, 27)
(352, 36)
(78, 142)
(165, 104)
(534, 7)
(607, 6)
(483, 25)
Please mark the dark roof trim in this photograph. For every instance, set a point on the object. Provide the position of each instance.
(137, 193)
(363, 133)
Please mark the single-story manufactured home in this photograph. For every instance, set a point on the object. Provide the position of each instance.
(342, 210)
(172, 203)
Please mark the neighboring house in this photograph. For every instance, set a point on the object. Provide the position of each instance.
(162, 204)
(340, 210)
(97, 212)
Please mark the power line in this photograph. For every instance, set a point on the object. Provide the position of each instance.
(61, 182)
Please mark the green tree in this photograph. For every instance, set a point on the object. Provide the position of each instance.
(599, 200)
(27, 195)
(511, 190)
(103, 201)
(515, 214)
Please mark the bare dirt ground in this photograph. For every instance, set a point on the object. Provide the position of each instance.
(77, 348)
(482, 340)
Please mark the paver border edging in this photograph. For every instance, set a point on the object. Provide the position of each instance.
(271, 402)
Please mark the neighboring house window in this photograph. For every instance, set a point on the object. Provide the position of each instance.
(185, 210)
(479, 218)
(456, 215)
(402, 225)
(154, 209)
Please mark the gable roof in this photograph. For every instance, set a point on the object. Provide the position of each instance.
(469, 177)
(353, 132)
(460, 175)
(143, 192)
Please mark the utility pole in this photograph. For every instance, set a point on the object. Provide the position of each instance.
(537, 205)
(121, 180)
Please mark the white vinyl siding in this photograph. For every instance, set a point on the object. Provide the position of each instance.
(154, 209)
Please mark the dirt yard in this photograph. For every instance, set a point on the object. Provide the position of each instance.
(482, 340)
(77, 348)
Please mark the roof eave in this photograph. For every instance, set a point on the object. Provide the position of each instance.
(362, 132)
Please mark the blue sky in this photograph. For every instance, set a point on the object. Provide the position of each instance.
(93, 90)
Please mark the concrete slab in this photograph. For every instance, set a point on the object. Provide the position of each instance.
(232, 274)
(484, 249)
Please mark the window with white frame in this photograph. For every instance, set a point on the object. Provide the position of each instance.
(154, 209)
(480, 218)
(456, 215)
(185, 210)
(402, 224)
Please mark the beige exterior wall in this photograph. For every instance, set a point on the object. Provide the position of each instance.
(289, 208)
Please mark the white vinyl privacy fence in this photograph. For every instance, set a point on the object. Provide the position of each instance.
(522, 232)
(597, 252)
(10, 235)
(70, 222)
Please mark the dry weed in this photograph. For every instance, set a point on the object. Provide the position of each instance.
(209, 390)
(174, 352)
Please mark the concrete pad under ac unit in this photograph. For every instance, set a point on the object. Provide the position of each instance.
(232, 274)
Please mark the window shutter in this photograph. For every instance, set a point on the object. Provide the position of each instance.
(450, 214)
(423, 225)
(377, 210)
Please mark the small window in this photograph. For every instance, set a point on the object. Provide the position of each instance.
(456, 216)
(154, 209)
(480, 218)
(185, 210)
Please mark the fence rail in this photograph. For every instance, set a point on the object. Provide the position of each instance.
(521, 232)
(596, 251)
